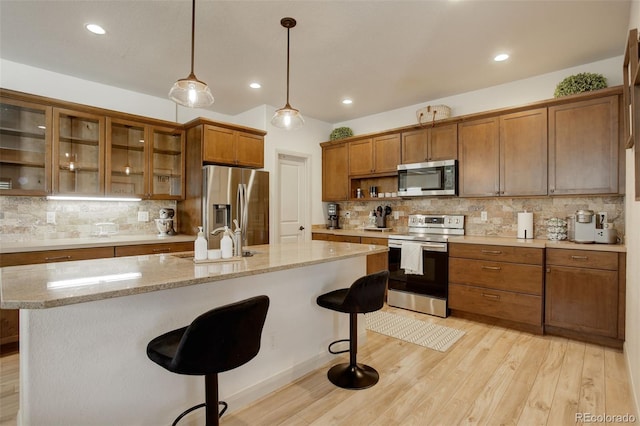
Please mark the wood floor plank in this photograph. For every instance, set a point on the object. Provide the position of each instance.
(592, 399)
(565, 401)
(618, 395)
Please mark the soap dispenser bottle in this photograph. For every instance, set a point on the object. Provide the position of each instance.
(200, 246)
(226, 244)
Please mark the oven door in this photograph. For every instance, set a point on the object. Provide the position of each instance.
(420, 292)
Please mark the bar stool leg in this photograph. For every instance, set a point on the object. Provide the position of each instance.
(353, 375)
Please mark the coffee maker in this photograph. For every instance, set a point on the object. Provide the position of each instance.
(332, 210)
(585, 226)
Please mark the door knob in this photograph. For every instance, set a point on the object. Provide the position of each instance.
(302, 228)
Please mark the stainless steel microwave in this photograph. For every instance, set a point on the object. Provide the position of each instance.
(427, 179)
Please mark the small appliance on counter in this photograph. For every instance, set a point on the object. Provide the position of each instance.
(165, 222)
(584, 227)
(332, 211)
(381, 216)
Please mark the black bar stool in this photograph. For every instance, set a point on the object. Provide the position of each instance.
(218, 340)
(366, 294)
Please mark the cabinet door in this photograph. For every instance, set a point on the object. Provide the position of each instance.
(219, 145)
(582, 299)
(386, 153)
(583, 147)
(443, 143)
(25, 148)
(414, 146)
(361, 157)
(523, 153)
(479, 150)
(250, 150)
(127, 155)
(167, 163)
(78, 152)
(335, 180)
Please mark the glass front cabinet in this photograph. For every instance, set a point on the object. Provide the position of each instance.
(78, 153)
(127, 155)
(25, 148)
(167, 163)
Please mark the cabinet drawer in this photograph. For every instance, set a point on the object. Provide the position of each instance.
(529, 255)
(375, 241)
(141, 249)
(506, 305)
(344, 239)
(583, 258)
(48, 256)
(497, 275)
(319, 236)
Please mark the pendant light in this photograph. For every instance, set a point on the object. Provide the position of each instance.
(287, 117)
(190, 91)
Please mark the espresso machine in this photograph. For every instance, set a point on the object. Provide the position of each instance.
(585, 226)
(332, 210)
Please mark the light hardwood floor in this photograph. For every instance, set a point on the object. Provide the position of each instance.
(492, 376)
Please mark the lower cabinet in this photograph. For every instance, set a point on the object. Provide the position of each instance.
(142, 249)
(375, 262)
(498, 283)
(585, 295)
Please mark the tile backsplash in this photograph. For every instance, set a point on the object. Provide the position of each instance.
(502, 212)
(25, 218)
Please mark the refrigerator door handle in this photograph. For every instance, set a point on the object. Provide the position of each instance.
(242, 212)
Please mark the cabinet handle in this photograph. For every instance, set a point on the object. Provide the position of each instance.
(551, 190)
(579, 257)
(492, 268)
(161, 250)
(58, 258)
(491, 296)
(491, 251)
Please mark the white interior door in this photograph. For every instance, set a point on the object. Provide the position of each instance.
(294, 198)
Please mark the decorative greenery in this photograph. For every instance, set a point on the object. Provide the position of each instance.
(340, 133)
(578, 83)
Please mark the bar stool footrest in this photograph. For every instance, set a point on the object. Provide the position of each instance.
(336, 342)
(195, 407)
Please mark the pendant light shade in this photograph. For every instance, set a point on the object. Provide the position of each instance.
(190, 91)
(287, 117)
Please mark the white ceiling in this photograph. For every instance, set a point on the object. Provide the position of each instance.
(383, 54)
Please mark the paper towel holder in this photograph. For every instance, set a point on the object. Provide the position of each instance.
(525, 225)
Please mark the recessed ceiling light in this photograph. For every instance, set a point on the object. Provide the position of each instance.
(255, 85)
(347, 101)
(501, 57)
(95, 28)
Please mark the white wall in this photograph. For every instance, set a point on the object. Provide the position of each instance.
(516, 93)
(632, 345)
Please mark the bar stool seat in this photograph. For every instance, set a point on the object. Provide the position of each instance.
(366, 294)
(218, 340)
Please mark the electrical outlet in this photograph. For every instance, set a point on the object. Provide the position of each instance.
(143, 216)
(483, 216)
(51, 217)
(396, 215)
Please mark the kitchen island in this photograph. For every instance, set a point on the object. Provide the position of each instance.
(84, 328)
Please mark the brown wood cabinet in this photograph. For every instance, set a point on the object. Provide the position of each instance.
(335, 172)
(374, 156)
(497, 283)
(584, 145)
(479, 153)
(430, 144)
(232, 147)
(157, 248)
(505, 155)
(585, 295)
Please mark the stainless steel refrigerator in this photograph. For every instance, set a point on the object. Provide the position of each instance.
(230, 193)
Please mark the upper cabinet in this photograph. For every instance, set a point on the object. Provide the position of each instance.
(335, 170)
(377, 155)
(25, 148)
(430, 144)
(233, 147)
(166, 162)
(584, 143)
(78, 152)
(479, 149)
(127, 158)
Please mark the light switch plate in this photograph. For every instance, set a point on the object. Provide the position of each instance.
(143, 216)
(483, 216)
(51, 217)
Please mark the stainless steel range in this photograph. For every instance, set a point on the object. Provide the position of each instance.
(422, 284)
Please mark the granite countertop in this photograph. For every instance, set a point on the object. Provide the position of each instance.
(65, 283)
(89, 242)
(493, 240)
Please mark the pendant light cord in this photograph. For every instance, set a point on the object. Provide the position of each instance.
(288, 30)
(193, 32)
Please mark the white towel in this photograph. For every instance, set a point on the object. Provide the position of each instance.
(411, 258)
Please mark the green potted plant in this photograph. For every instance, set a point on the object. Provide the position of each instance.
(578, 83)
(340, 133)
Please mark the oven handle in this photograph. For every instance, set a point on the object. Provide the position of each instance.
(442, 247)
